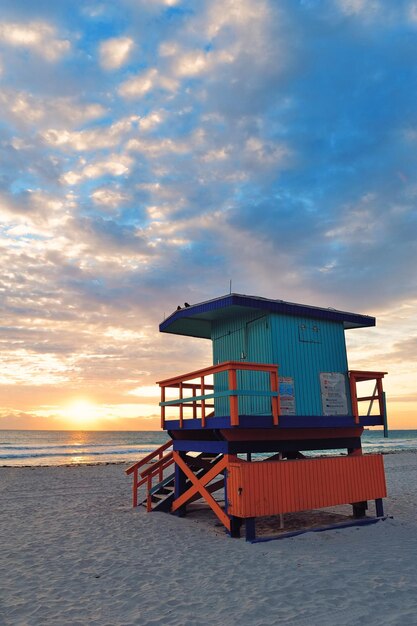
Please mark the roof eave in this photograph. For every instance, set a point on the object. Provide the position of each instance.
(176, 323)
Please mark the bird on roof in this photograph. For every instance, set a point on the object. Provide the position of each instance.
(178, 308)
(186, 305)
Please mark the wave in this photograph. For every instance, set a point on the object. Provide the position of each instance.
(75, 446)
(76, 453)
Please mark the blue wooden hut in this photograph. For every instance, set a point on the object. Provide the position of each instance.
(279, 385)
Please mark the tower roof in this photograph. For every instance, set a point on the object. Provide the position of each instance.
(196, 320)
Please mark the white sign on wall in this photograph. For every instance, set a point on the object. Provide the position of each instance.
(286, 395)
(333, 393)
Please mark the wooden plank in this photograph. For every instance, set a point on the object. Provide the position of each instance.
(203, 402)
(233, 399)
(275, 400)
(214, 369)
(197, 483)
(219, 484)
(199, 486)
(354, 396)
(162, 407)
(181, 406)
(165, 461)
(148, 457)
(365, 375)
(273, 487)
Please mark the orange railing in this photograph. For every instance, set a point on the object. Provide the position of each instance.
(199, 398)
(378, 394)
(146, 476)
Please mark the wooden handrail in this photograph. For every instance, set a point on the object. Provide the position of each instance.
(365, 375)
(189, 386)
(148, 473)
(356, 376)
(152, 471)
(215, 369)
(146, 459)
(233, 392)
(155, 466)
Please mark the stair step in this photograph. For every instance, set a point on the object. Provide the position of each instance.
(203, 460)
(165, 490)
(159, 496)
(162, 494)
(163, 483)
(163, 504)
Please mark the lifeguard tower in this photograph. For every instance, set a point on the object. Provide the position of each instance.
(279, 387)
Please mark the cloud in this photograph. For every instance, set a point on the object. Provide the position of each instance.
(138, 86)
(412, 12)
(273, 144)
(92, 139)
(109, 198)
(38, 37)
(152, 120)
(358, 7)
(115, 52)
(19, 366)
(114, 165)
(25, 109)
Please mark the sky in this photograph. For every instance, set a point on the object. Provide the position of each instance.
(154, 150)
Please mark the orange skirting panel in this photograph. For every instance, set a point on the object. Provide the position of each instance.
(272, 487)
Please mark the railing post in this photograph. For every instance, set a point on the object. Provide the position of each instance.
(385, 415)
(194, 403)
(273, 376)
(135, 487)
(233, 400)
(380, 395)
(203, 403)
(148, 495)
(162, 407)
(181, 406)
(354, 397)
(161, 469)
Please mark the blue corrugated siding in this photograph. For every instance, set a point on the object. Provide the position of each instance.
(259, 350)
(233, 340)
(304, 360)
(302, 348)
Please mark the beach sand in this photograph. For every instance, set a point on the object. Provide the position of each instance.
(74, 552)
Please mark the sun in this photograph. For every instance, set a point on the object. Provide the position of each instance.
(81, 413)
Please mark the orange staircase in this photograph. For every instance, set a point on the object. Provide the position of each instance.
(152, 469)
(159, 497)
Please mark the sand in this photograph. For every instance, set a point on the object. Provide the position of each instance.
(74, 552)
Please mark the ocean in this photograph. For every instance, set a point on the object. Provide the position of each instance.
(43, 447)
(75, 447)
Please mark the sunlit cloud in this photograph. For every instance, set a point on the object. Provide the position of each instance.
(21, 366)
(24, 109)
(138, 86)
(114, 165)
(93, 139)
(115, 52)
(148, 391)
(152, 120)
(109, 198)
(39, 37)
